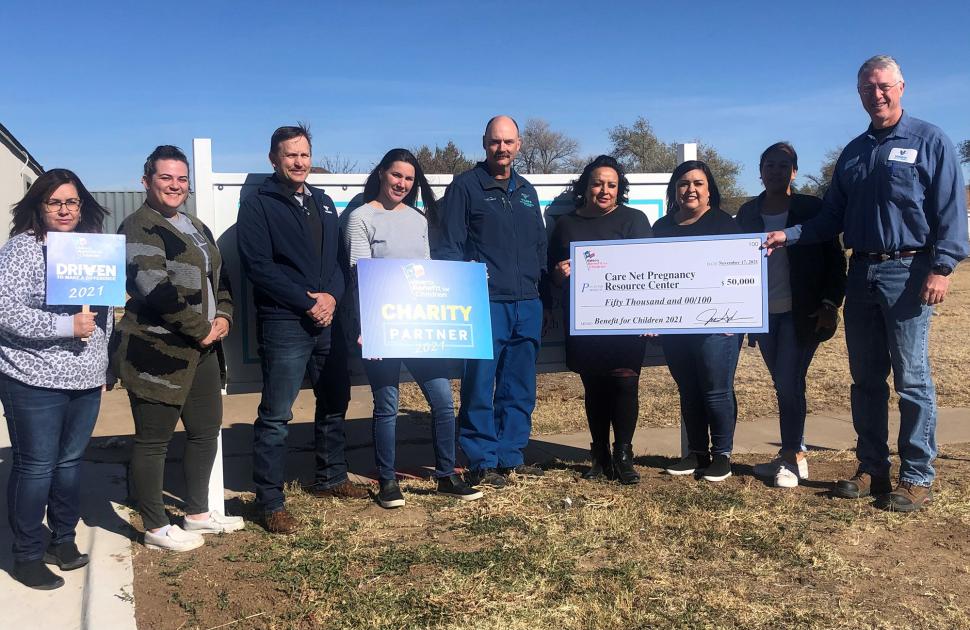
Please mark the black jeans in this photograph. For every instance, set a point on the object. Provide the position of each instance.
(155, 422)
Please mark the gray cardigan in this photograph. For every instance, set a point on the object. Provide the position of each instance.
(37, 343)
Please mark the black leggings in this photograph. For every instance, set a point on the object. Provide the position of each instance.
(154, 425)
(612, 399)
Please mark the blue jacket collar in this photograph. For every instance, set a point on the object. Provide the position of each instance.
(900, 131)
(487, 181)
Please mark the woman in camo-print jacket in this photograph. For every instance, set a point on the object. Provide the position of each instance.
(169, 351)
(53, 362)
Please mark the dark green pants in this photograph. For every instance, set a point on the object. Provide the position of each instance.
(154, 425)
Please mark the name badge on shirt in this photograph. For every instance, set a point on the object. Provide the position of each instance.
(906, 156)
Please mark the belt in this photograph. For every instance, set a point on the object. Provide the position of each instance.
(884, 256)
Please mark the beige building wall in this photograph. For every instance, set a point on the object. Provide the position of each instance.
(14, 180)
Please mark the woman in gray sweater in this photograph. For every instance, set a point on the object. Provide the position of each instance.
(53, 364)
(389, 225)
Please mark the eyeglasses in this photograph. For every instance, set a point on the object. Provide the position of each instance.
(869, 89)
(55, 205)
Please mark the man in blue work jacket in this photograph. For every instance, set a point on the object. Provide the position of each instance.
(492, 215)
(897, 196)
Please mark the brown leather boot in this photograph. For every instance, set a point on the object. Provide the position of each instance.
(280, 522)
(345, 490)
(862, 484)
(907, 497)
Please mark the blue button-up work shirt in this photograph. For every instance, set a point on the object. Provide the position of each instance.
(904, 192)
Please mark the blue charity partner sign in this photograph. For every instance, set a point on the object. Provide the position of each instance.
(85, 269)
(424, 308)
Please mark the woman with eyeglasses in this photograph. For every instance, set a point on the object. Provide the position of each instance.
(389, 225)
(53, 365)
(806, 285)
(169, 354)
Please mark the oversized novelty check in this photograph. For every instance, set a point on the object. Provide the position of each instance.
(701, 284)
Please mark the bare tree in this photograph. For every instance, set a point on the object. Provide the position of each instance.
(337, 164)
(449, 159)
(544, 150)
(577, 163)
(818, 184)
(964, 149)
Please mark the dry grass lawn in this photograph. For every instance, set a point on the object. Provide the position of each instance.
(669, 553)
(561, 553)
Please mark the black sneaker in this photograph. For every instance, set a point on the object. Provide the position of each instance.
(66, 556)
(485, 477)
(35, 574)
(690, 463)
(390, 494)
(453, 486)
(719, 470)
(523, 470)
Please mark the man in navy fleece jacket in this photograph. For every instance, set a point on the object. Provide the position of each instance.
(492, 215)
(288, 239)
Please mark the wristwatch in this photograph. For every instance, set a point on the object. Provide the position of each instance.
(942, 270)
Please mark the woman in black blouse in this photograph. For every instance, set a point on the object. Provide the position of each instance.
(702, 365)
(609, 365)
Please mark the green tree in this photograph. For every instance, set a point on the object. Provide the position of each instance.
(818, 184)
(449, 159)
(640, 150)
(544, 150)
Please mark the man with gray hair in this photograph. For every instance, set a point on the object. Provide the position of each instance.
(897, 196)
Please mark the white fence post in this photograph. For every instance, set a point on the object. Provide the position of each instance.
(206, 211)
(685, 152)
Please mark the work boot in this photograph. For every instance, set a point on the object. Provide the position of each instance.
(485, 477)
(602, 464)
(344, 490)
(907, 497)
(522, 470)
(862, 484)
(623, 464)
(280, 522)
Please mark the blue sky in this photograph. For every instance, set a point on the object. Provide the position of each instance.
(94, 86)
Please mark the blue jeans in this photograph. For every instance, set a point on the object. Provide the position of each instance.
(887, 326)
(290, 350)
(498, 395)
(49, 430)
(787, 360)
(431, 376)
(703, 367)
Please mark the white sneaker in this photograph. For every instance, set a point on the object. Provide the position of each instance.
(771, 468)
(217, 523)
(174, 539)
(786, 477)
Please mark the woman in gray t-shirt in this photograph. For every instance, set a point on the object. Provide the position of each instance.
(389, 225)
